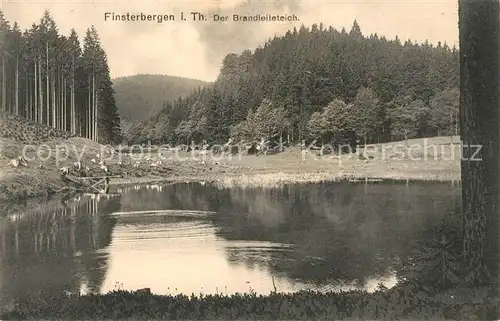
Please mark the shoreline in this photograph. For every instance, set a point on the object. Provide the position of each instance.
(403, 302)
(42, 179)
(281, 178)
(269, 179)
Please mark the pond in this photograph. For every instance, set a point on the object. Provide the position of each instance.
(194, 238)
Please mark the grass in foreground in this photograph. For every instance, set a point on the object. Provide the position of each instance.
(409, 302)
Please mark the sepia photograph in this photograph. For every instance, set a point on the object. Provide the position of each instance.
(249, 160)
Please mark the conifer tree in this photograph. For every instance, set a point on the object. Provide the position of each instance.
(4, 36)
(309, 67)
(104, 121)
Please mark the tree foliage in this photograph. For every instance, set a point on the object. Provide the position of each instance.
(49, 78)
(405, 115)
(308, 68)
(367, 113)
(267, 121)
(444, 108)
(335, 118)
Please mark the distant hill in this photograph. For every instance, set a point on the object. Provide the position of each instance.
(141, 96)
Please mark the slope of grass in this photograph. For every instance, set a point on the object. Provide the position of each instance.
(141, 96)
(292, 166)
(27, 132)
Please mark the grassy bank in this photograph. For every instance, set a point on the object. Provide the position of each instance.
(409, 302)
(433, 159)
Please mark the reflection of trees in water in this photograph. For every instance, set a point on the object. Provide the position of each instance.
(188, 196)
(341, 231)
(51, 250)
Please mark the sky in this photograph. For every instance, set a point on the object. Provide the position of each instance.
(195, 49)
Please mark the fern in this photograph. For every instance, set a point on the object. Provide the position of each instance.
(436, 260)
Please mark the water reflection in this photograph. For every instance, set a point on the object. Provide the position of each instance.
(55, 248)
(339, 235)
(344, 233)
(193, 238)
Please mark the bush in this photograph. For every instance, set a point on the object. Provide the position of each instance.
(408, 301)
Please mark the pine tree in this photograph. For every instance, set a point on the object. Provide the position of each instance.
(104, 121)
(4, 34)
(307, 68)
(367, 113)
(89, 63)
(75, 79)
(405, 115)
(355, 32)
(444, 110)
(16, 52)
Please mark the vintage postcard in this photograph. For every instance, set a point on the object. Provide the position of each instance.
(250, 160)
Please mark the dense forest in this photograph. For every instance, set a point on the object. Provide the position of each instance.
(139, 97)
(51, 79)
(315, 84)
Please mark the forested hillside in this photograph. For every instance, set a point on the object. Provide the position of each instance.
(51, 79)
(316, 83)
(141, 96)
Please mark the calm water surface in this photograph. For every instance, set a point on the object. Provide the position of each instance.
(189, 238)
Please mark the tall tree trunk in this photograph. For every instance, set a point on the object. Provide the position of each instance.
(72, 115)
(47, 80)
(72, 98)
(61, 103)
(60, 117)
(27, 99)
(36, 90)
(32, 104)
(89, 111)
(17, 86)
(4, 84)
(94, 105)
(40, 90)
(479, 24)
(73, 108)
(56, 90)
(451, 125)
(60, 109)
(64, 105)
(54, 102)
